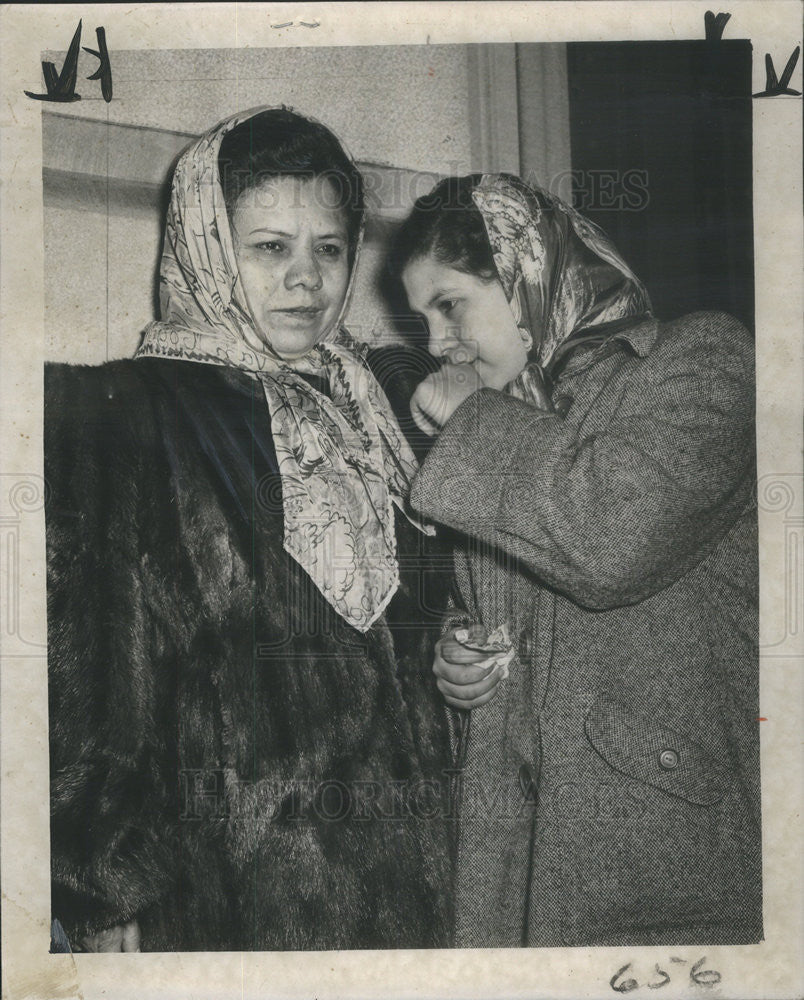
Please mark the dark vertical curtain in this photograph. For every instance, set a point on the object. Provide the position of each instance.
(662, 160)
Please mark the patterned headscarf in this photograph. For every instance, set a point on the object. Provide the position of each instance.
(343, 460)
(560, 272)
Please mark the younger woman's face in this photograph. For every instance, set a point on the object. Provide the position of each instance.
(292, 249)
(469, 320)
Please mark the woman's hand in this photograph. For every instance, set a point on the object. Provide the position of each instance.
(124, 937)
(466, 677)
(440, 394)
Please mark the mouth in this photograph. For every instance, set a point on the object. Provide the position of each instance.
(462, 355)
(462, 358)
(300, 314)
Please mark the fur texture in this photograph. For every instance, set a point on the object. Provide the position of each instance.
(231, 763)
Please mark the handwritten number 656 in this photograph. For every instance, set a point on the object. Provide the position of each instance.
(625, 984)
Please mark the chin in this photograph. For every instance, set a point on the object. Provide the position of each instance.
(292, 344)
(492, 378)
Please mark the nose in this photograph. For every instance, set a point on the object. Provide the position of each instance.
(442, 338)
(304, 270)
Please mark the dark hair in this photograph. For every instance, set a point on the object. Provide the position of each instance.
(281, 143)
(447, 225)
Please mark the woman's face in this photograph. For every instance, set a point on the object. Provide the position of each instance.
(291, 244)
(469, 320)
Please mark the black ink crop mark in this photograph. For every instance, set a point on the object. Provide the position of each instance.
(715, 25)
(61, 86)
(774, 87)
(104, 71)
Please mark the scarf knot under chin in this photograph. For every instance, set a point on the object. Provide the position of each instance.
(343, 462)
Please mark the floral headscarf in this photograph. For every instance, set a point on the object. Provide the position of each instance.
(343, 459)
(560, 272)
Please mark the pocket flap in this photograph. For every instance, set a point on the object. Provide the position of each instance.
(635, 745)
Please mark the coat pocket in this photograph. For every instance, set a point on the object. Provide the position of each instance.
(667, 759)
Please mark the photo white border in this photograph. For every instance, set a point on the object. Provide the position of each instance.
(769, 970)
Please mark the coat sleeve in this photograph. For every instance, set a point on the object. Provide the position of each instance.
(613, 515)
(108, 682)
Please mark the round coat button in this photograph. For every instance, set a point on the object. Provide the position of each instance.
(668, 759)
(562, 405)
(525, 646)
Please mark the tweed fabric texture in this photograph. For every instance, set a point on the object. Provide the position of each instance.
(618, 536)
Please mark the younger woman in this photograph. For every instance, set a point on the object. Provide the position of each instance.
(596, 467)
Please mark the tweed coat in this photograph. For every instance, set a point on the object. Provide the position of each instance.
(231, 763)
(611, 786)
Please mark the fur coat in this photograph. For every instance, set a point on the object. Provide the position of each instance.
(231, 764)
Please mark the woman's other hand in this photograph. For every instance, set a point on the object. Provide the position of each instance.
(440, 394)
(123, 937)
(466, 677)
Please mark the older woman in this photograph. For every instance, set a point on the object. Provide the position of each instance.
(596, 467)
(246, 743)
